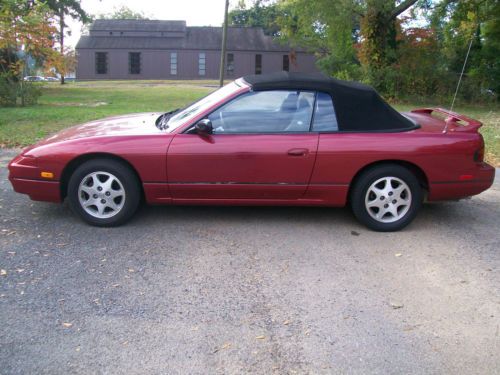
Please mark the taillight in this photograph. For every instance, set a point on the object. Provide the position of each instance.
(479, 154)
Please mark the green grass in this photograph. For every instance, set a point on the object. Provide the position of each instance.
(74, 103)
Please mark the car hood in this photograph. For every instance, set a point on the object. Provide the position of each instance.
(126, 125)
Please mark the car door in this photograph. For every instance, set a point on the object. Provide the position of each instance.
(261, 148)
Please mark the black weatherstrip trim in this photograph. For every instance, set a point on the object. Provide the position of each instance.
(245, 183)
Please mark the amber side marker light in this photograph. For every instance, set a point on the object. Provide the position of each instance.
(47, 174)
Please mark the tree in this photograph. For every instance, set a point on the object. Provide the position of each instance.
(62, 9)
(323, 26)
(123, 13)
(63, 64)
(347, 32)
(489, 66)
(329, 28)
(458, 23)
(416, 73)
(378, 41)
(26, 31)
(379, 30)
(259, 15)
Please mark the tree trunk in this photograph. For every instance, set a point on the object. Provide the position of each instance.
(21, 83)
(377, 29)
(61, 40)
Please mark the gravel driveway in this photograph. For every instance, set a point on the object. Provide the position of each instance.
(204, 290)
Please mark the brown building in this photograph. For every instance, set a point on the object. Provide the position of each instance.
(147, 49)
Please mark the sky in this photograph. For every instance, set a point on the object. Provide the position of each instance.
(194, 12)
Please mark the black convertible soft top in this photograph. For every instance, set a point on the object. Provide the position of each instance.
(358, 107)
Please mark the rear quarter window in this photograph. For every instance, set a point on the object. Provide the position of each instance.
(325, 119)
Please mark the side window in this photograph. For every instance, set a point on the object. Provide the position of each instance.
(134, 62)
(173, 63)
(230, 64)
(202, 60)
(286, 63)
(265, 112)
(258, 63)
(324, 114)
(101, 62)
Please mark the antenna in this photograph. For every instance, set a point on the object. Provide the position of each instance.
(462, 74)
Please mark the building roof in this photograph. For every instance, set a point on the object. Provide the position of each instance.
(358, 107)
(137, 25)
(192, 38)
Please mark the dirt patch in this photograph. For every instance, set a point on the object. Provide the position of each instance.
(72, 104)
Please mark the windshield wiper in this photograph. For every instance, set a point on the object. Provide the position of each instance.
(161, 122)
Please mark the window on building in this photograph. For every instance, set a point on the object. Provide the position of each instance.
(173, 63)
(324, 114)
(273, 111)
(101, 62)
(134, 62)
(286, 63)
(202, 64)
(230, 64)
(258, 64)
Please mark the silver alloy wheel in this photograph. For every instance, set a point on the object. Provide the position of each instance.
(388, 199)
(101, 194)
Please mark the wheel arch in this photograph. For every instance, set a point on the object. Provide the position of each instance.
(79, 160)
(412, 167)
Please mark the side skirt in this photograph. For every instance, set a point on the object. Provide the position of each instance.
(332, 195)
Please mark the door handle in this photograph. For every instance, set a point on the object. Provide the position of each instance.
(298, 151)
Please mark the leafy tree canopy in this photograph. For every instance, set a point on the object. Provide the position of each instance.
(402, 47)
(262, 14)
(61, 10)
(26, 30)
(123, 13)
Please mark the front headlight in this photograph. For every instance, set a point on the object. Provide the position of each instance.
(27, 160)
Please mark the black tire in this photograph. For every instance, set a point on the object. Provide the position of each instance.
(125, 181)
(361, 198)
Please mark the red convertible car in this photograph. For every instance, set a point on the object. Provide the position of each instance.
(278, 139)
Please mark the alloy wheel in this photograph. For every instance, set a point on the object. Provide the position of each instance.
(101, 194)
(388, 199)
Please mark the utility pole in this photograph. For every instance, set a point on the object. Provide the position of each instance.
(223, 49)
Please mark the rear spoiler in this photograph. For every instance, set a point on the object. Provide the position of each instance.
(453, 119)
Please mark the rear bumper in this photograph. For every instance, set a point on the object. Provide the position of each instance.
(482, 179)
(37, 190)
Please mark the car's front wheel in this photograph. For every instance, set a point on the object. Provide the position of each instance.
(386, 198)
(104, 192)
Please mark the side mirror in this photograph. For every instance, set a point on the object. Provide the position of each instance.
(204, 127)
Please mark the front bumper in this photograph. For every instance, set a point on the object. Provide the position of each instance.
(24, 175)
(48, 191)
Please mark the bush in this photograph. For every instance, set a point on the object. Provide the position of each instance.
(8, 92)
(14, 91)
(29, 92)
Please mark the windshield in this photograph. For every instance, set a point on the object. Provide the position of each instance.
(199, 106)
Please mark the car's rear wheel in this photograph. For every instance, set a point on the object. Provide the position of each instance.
(104, 192)
(386, 198)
